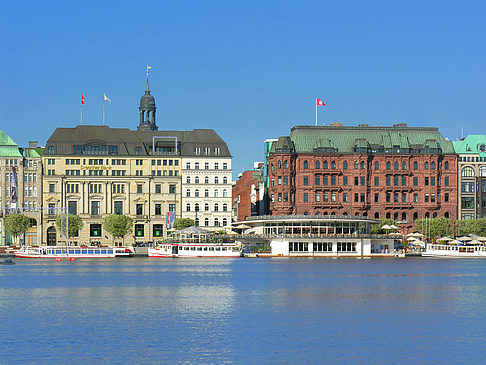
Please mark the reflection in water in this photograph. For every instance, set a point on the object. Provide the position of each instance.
(242, 311)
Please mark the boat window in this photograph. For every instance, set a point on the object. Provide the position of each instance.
(199, 248)
(211, 248)
(205, 248)
(193, 248)
(84, 251)
(218, 248)
(225, 249)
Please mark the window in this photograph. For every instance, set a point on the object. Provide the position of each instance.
(446, 165)
(139, 230)
(318, 165)
(426, 165)
(377, 165)
(395, 180)
(225, 207)
(325, 180)
(432, 181)
(158, 209)
(377, 198)
(158, 230)
(306, 197)
(356, 165)
(206, 207)
(139, 209)
(446, 198)
(415, 198)
(333, 165)
(73, 207)
(415, 181)
(426, 181)
(95, 230)
(345, 165)
(318, 197)
(225, 193)
(404, 197)
(216, 166)
(95, 207)
(172, 207)
(206, 166)
(306, 165)
(225, 180)
(395, 165)
(158, 188)
(325, 165)
(225, 165)
(362, 165)
(306, 180)
(345, 197)
(318, 180)
(139, 188)
(216, 207)
(404, 165)
(206, 180)
(446, 181)
(415, 165)
(206, 193)
(362, 180)
(388, 180)
(286, 180)
(118, 207)
(196, 193)
(188, 207)
(333, 180)
(467, 171)
(432, 165)
(345, 180)
(404, 181)
(206, 222)
(52, 188)
(388, 165)
(188, 193)
(172, 189)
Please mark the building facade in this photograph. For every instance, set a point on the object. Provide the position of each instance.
(248, 193)
(20, 188)
(471, 176)
(398, 172)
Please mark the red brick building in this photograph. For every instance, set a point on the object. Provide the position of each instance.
(403, 173)
(248, 192)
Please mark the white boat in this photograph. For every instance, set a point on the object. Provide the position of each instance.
(71, 252)
(197, 249)
(454, 250)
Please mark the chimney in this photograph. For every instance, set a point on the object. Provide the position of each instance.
(33, 144)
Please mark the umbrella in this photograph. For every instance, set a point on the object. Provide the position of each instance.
(417, 234)
(411, 239)
(418, 243)
(411, 235)
(444, 239)
(395, 234)
(482, 239)
(386, 226)
(474, 242)
(243, 226)
(455, 242)
(393, 226)
(464, 238)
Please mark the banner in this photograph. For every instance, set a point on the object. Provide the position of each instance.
(170, 219)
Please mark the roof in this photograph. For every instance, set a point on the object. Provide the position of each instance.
(128, 140)
(471, 144)
(8, 148)
(365, 139)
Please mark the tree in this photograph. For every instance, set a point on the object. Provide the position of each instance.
(118, 225)
(16, 224)
(376, 228)
(75, 224)
(181, 223)
(474, 226)
(434, 227)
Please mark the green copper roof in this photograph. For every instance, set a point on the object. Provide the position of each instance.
(365, 139)
(8, 148)
(471, 144)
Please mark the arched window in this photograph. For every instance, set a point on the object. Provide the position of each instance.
(345, 213)
(324, 213)
(345, 165)
(325, 165)
(225, 193)
(279, 164)
(188, 180)
(356, 214)
(225, 180)
(216, 207)
(356, 165)
(196, 207)
(415, 165)
(216, 222)
(404, 217)
(318, 165)
(206, 179)
(482, 171)
(216, 193)
(388, 215)
(388, 165)
(225, 222)
(404, 165)
(306, 165)
(188, 193)
(365, 214)
(362, 165)
(272, 167)
(377, 215)
(317, 213)
(446, 165)
(432, 165)
(377, 165)
(206, 193)
(333, 165)
(434, 215)
(395, 216)
(196, 222)
(446, 214)
(225, 207)
(467, 171)
(427, 215)
(206, 222)
(188, 207)
(196, 180)
(426, 165)
(415, 216)
(333, 213)
(216, 180)
(196, 193)
(206, 207)
(395, 165)
(286, 164)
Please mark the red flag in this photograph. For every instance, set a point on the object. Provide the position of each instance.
(82, 99)
(320, 102)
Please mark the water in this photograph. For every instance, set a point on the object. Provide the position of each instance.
(243, 311)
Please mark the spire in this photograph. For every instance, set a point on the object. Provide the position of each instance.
(147, 109)
(147, 90)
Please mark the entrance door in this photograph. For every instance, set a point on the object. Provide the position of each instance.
(51, 236)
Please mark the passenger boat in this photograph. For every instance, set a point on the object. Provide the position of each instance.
(195, 242)
(72, 252)
(456, 249)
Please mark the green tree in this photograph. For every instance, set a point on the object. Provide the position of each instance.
(181, 223)
(474, 226)
(376, 228)
(16, 224)
(118, 225)
(434, 227)
(75, 224)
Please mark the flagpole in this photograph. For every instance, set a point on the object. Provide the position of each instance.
(316, 112)
(103, 110)
(81, 114)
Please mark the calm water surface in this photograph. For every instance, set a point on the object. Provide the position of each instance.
(243, 311)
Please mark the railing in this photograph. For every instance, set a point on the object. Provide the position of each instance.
(353, 235)
(308, 217)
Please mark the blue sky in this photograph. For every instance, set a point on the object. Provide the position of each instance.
(250, 70)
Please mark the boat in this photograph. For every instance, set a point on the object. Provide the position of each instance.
(456, 249)
(195, 242)
(72, 252)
